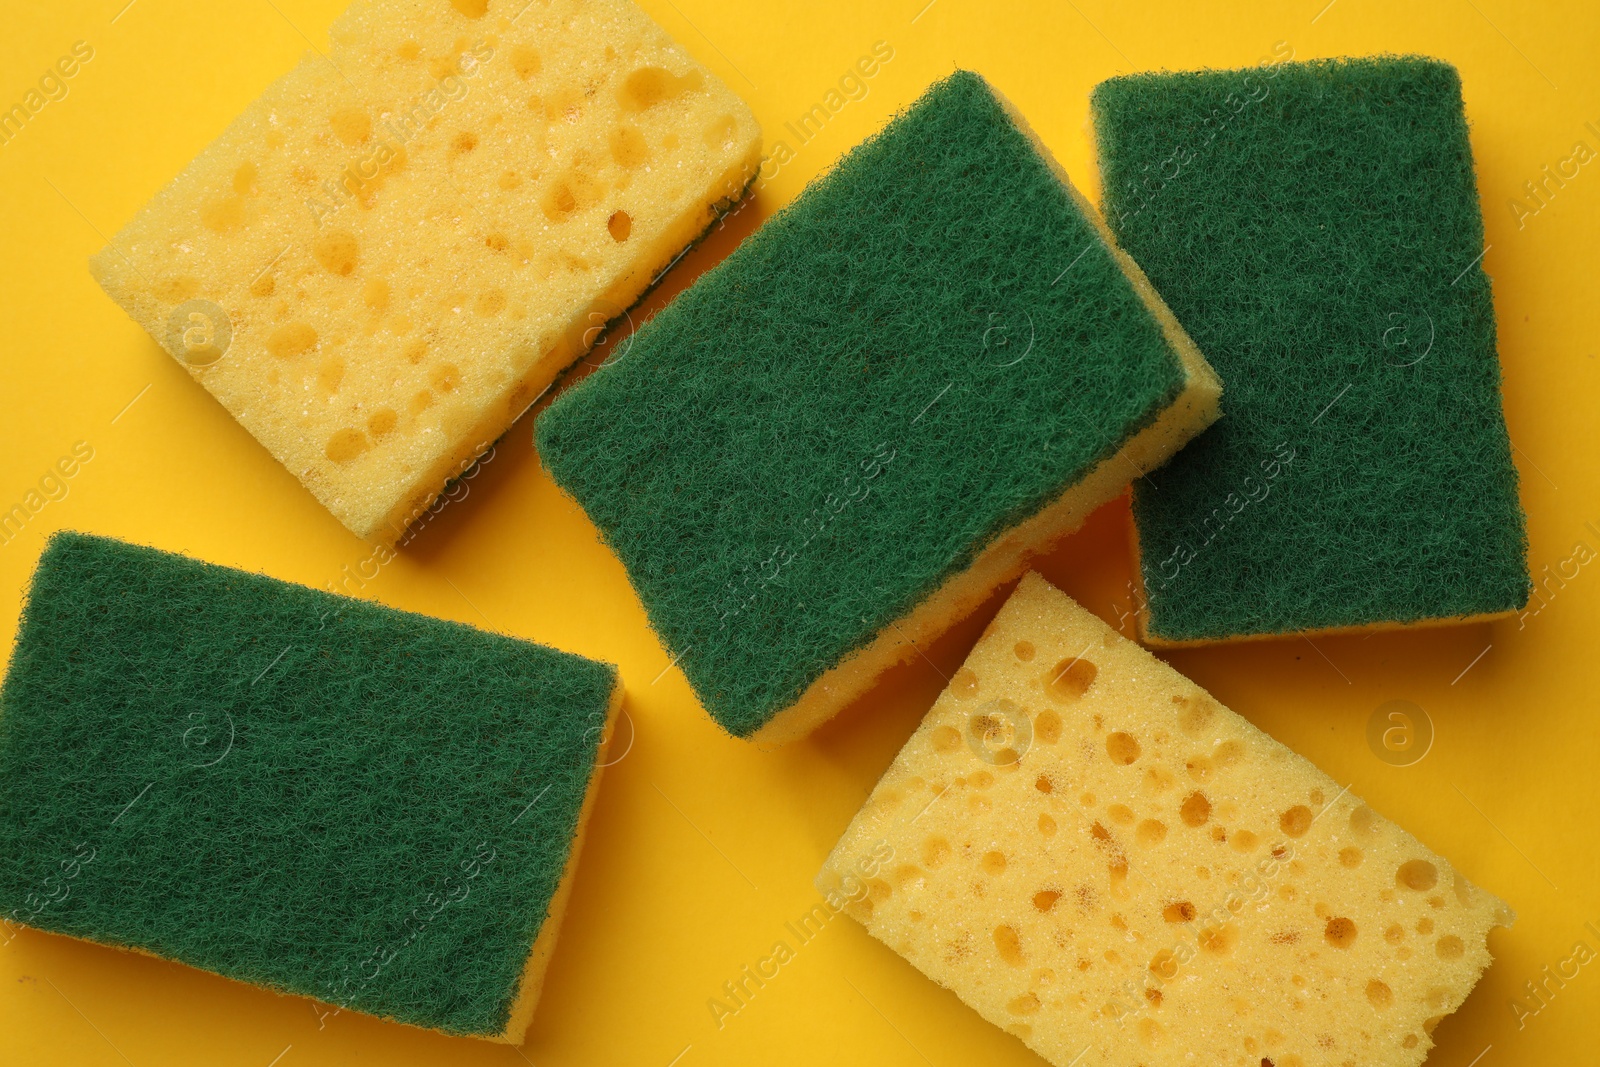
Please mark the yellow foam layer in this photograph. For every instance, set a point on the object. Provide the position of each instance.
(544, 946)
(387, 257)
(1097, 856)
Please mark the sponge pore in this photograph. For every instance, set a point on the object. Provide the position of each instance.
(835, 442)
(1315, 226)
(293, 789)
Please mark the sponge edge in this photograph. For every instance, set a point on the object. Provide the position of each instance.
(1093, 853)
(393, 252)
(311, 831)
(1007, 456)
(531, 985)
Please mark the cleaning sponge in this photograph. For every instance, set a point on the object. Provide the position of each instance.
(314, 794)
(1315, 227)
(847, 434)
(1100, 858)
(387, 257)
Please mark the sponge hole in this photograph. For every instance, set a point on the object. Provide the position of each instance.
(1070, 679)
(179, 289)
(1418, 875)
(1364, 821)
(1219, 940)
(720, 134)
(569, 195)
(337, 251)
(619, 225)
(223, 215)
(1047, 727)
(628, 147)
(244, 180)
(346, 445)
(381, 423)
(1122, 748)
(1009, 944)
(330, 375)
(908, 875)
(446, 378)
(1296, 821)
(1194, 712)
(1195, 809)
(648, 87)
(1228, 754)
(560, 203)
(525, 61)
(1340, 932)
(491, 302)
(292, 340)
(351, 126)
(1026, 1004)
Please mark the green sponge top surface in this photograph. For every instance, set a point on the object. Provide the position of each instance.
(315, 794)
(1315, 227)
(931, 343)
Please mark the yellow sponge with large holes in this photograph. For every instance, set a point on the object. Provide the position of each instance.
(387, 257)
(1100, 858)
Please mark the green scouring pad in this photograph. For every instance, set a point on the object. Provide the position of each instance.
(314, 794)
(931, 365)
(1315, 226)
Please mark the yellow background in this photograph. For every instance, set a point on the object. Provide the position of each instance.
(702, 847)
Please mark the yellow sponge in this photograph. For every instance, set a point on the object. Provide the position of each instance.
(1100, 858)
(391, 253)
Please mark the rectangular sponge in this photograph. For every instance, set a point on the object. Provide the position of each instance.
(840, 440)
(1315, 227)
(391, 253)
(1100, 858)
(317, 795)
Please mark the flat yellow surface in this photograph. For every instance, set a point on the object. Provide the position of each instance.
(702, 848)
